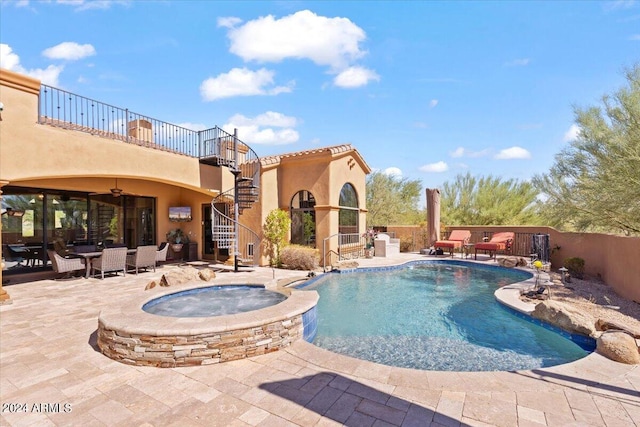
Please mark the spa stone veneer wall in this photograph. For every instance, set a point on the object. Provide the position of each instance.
(230, 337)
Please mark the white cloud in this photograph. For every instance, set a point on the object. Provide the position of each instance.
(458, 152)
(355, 77)
(194, 126)
(513, 153)
(334, 42)
(618, 5)
(520, 62)
(11, 61)
(393, 171)
(463, 152)
(81, 5)
(70, 51)
(433, 103)
(241, 82)
(228, 22)
(260, 129)
(571, 134)
(435, 167)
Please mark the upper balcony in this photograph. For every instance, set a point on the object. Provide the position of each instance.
(212, 146)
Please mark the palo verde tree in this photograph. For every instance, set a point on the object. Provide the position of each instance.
(594, 184)
(488, 201)
(392, 200)
(275, 228)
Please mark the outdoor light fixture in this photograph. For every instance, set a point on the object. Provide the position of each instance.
(116, 192)
(563, 274)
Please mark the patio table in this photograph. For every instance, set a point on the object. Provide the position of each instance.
(88, 256)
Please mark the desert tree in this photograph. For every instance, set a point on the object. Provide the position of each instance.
(392, 200)
(470, 200)
(594, 184)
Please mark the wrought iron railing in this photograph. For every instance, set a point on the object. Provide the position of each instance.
(67, 110)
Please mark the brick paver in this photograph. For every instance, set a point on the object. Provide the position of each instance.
(51, 373)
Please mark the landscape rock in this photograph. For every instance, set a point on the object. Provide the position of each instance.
(606, 325)
(207, 274)
(150, 285)
(565, 317)
(618, 346)
(179, 276)
(512, 261)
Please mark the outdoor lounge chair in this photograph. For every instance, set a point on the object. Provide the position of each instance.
(111, 260)
(457, 239)
(161, 253)
(65, 265)
(145, 257)
(499, 242)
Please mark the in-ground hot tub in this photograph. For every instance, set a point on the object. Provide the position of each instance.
(130, 335)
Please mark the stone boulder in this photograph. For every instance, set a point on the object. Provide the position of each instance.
(565, 317)
(512, 261)
(179, 276)
(607, 325)
(206, 274)
(182, 275)
(618, 346)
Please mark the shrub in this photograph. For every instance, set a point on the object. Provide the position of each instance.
(406, 244)
(275, 230)
(296, 257)
(575, 266)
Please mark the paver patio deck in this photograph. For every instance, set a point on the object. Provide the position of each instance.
(48, 356)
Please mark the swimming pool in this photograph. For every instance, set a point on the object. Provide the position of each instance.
(434, 315)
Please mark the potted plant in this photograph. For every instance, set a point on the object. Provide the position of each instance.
(176, 239)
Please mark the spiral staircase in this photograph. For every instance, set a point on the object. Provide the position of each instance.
(225, 150)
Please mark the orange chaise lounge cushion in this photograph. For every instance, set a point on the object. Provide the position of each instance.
(456, 239)
(499, 242)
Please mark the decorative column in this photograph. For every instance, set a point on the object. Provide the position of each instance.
(433, 215)
(4, 296)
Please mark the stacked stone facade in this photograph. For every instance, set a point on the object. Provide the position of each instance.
(199, 349)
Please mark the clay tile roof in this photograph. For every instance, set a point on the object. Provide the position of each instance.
(336, 149)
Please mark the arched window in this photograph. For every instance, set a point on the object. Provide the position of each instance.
(303, 219)
(349, 212)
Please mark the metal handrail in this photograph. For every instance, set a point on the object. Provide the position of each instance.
(351, 243)
(245, 244)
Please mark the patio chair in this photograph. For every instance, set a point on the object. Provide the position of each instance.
(145, 257)
(112, 260)
(65, 265)
(499, 242)
(457, 239)
(161, 253)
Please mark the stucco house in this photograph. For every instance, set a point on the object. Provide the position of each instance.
(77, 172)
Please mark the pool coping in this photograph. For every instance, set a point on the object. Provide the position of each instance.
(131, 319)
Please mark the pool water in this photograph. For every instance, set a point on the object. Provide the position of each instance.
(213, 301)
(434, 316)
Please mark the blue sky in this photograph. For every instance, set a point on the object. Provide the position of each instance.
(427, 90)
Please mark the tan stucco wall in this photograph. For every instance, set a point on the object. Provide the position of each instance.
(323, 173)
